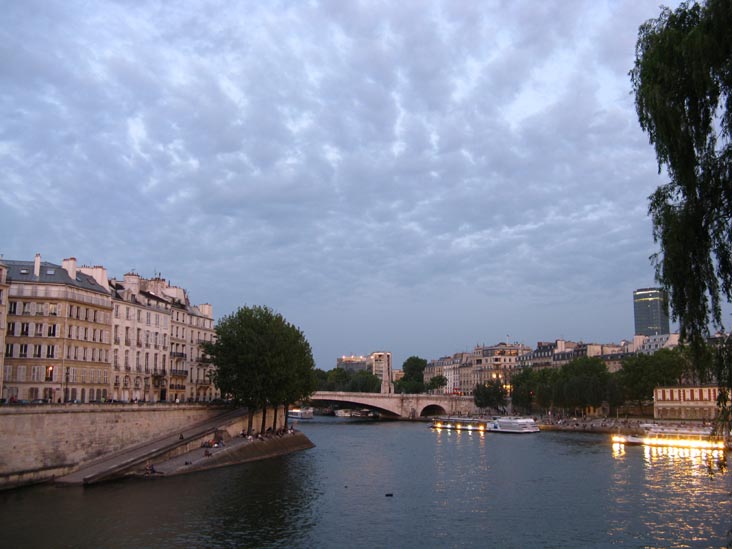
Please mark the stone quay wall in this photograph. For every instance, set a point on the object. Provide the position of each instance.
(38, 443)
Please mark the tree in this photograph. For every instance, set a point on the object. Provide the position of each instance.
(581, 383)
(490, 395)
(261, 359)
(523, 387)
(641, 374)
(682, 82)
(364, 382)
(413, 380)
(436, 382)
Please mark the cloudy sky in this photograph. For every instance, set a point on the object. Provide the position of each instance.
(413, 176)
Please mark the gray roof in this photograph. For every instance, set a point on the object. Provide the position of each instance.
(22, 271)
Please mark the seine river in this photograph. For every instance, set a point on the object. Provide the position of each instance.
(399, 484)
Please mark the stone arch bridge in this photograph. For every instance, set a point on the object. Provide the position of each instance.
(400, 405)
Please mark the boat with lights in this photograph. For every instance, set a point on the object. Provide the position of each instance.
(300, 413)
(673, 437)
(497, 424)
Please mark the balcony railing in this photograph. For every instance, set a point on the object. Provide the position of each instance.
(158, 373)
(183, 373)
(177, 355)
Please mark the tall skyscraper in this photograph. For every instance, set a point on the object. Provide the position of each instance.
(651, 312)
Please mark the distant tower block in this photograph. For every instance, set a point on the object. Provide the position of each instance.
(650, 308)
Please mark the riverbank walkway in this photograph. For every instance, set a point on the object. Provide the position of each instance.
(113, 464)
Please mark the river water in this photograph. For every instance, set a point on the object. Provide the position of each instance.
(399, 484)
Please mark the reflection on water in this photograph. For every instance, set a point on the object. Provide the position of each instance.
(400, 485)
(676, 497)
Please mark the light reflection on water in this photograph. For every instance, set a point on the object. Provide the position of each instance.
(400, 485)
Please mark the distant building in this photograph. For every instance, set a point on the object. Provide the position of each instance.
(650, 308)
(381, 368)
(695, 402)
(354, 363)
(651, 344)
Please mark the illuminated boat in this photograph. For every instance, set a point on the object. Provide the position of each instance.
(460, 424)
(670, 437)
(300, 413)
(496, 424)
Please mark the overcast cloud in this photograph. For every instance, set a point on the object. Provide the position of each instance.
(411, 176)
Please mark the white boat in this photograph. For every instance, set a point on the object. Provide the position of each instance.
(300, 413)
(513, 424)
(343, 413)
(672, 437)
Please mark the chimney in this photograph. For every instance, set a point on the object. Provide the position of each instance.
(70, 266)
(37, 266)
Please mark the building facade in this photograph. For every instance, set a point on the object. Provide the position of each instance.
(696, 403)
(4, 287)
(57, 344)
(650, 311)
(72, 335)
(354, 363)
(381, 368)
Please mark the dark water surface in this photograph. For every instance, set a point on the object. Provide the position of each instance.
(448, 490)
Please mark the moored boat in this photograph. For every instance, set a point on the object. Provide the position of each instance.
(460, 423)
(513, 424)
(672, 437)
(496, 424)
(300, 413)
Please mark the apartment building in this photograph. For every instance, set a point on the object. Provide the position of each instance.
(57, 343)
(70, 334)
(141, 336)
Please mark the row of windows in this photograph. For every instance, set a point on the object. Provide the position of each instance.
(138, 358)
(53, 309)
(26, 330)
(149, 336)
(150, 317)
(23, 373)
(704, 394)
(86, 353)
(24, 349)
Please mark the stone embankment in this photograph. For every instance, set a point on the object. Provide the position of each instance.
(81, 444)
(235, 451)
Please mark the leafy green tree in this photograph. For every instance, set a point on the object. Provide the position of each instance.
(436, 382)
(581, 383)
(261, 359)
(364, 382)
(523, 387)
(338, 379)
(641, 374)
(413, 380)
(682, 82)
(490, 395)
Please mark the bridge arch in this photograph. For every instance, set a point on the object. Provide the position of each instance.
(432, 410)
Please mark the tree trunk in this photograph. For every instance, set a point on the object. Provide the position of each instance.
(274, 420)
(250, 413)
(286, 406)
(264, 420)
